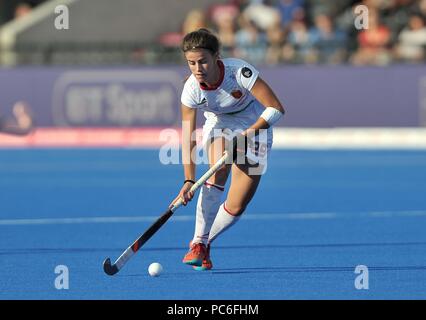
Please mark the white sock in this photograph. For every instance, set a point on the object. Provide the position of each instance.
(208, 204)
(223, 221)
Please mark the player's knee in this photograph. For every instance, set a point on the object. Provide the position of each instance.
(233, 209)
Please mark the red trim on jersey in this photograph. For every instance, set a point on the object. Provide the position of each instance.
(221, 66)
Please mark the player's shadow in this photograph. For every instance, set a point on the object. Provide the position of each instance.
(287, 269)
(311, 269)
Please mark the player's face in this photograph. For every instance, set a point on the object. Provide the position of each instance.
(203, 65)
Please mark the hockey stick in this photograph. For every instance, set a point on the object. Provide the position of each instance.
(112, 269)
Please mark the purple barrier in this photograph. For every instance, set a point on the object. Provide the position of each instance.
(148, 96)
(95, 97)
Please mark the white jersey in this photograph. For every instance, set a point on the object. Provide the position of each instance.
(231, 94)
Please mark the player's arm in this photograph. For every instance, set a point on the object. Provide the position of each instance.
(273, 107)
(13, 128)
(189, 118)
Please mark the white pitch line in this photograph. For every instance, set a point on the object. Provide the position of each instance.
(8, 222)
(291, 216)
(249, 216)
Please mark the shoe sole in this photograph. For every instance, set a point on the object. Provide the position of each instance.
(194, 262)
(201, 268)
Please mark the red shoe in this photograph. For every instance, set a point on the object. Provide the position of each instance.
(195, 255)
(207, 263)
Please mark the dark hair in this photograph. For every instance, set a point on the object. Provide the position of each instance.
(201, 39)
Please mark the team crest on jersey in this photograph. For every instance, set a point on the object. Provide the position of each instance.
(202, 102)
(247, 72)
(236, 94)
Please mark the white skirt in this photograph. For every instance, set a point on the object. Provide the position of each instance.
(228, 125)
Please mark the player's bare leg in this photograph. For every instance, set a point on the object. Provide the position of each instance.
(242, 189)
(215, 152)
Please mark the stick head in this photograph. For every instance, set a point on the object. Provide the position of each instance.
(108, 268)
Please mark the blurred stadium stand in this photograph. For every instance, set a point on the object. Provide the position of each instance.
(105, 32)
(101, 32)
